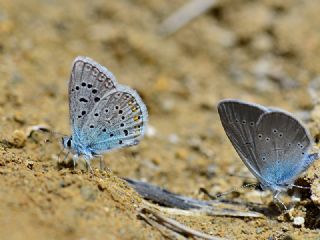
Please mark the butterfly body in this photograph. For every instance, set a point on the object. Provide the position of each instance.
(272, 143)
(104, 115)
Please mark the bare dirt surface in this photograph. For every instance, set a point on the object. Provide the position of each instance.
(266, 52)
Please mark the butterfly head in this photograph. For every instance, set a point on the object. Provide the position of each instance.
(67, 142)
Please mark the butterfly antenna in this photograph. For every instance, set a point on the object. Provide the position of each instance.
(219, 195)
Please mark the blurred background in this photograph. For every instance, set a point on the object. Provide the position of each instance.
(182, 57)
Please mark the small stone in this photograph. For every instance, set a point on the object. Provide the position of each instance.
(298, 221)
(18, 117)
(29, 164)
(151, 131)
(18, 139)
(106, 209)
(167, 105)
(182, 153)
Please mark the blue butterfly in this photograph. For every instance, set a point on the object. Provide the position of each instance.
(272, 143)
(104, 115)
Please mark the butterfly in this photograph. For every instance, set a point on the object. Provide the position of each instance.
(104, 115)
(272, 143)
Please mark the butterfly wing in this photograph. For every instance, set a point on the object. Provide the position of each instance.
(239, 121)
(282, 145)
(118, 120)
(89, 82)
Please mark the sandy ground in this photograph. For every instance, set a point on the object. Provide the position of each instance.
(266, 52)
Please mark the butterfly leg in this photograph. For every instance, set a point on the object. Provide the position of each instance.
(301, 187)
(276, 197)
(75, 159)
(103, 164)
(88, 165)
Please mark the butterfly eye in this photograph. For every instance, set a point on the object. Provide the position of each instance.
(252, 124)
(274, 130)
(260, 136)
(244, 121)
(69, 142)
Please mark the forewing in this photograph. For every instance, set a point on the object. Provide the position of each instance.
(118, 120)
(239, 122)
(282, 145)
(89, 82)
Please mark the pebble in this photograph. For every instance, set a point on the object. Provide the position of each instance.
(151, 131)
(29, 164)
(298, 221)
(18, 139)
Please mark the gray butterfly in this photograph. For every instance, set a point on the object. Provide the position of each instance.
(272, 143)
(104, 115)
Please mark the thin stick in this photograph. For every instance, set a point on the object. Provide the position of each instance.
(178, 227)
(185, 14)
(204, 211)
(165, 231)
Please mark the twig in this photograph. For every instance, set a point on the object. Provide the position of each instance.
(183, 205)
(164, 230)
(176, 226)
(185, 14)
(205, 211)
